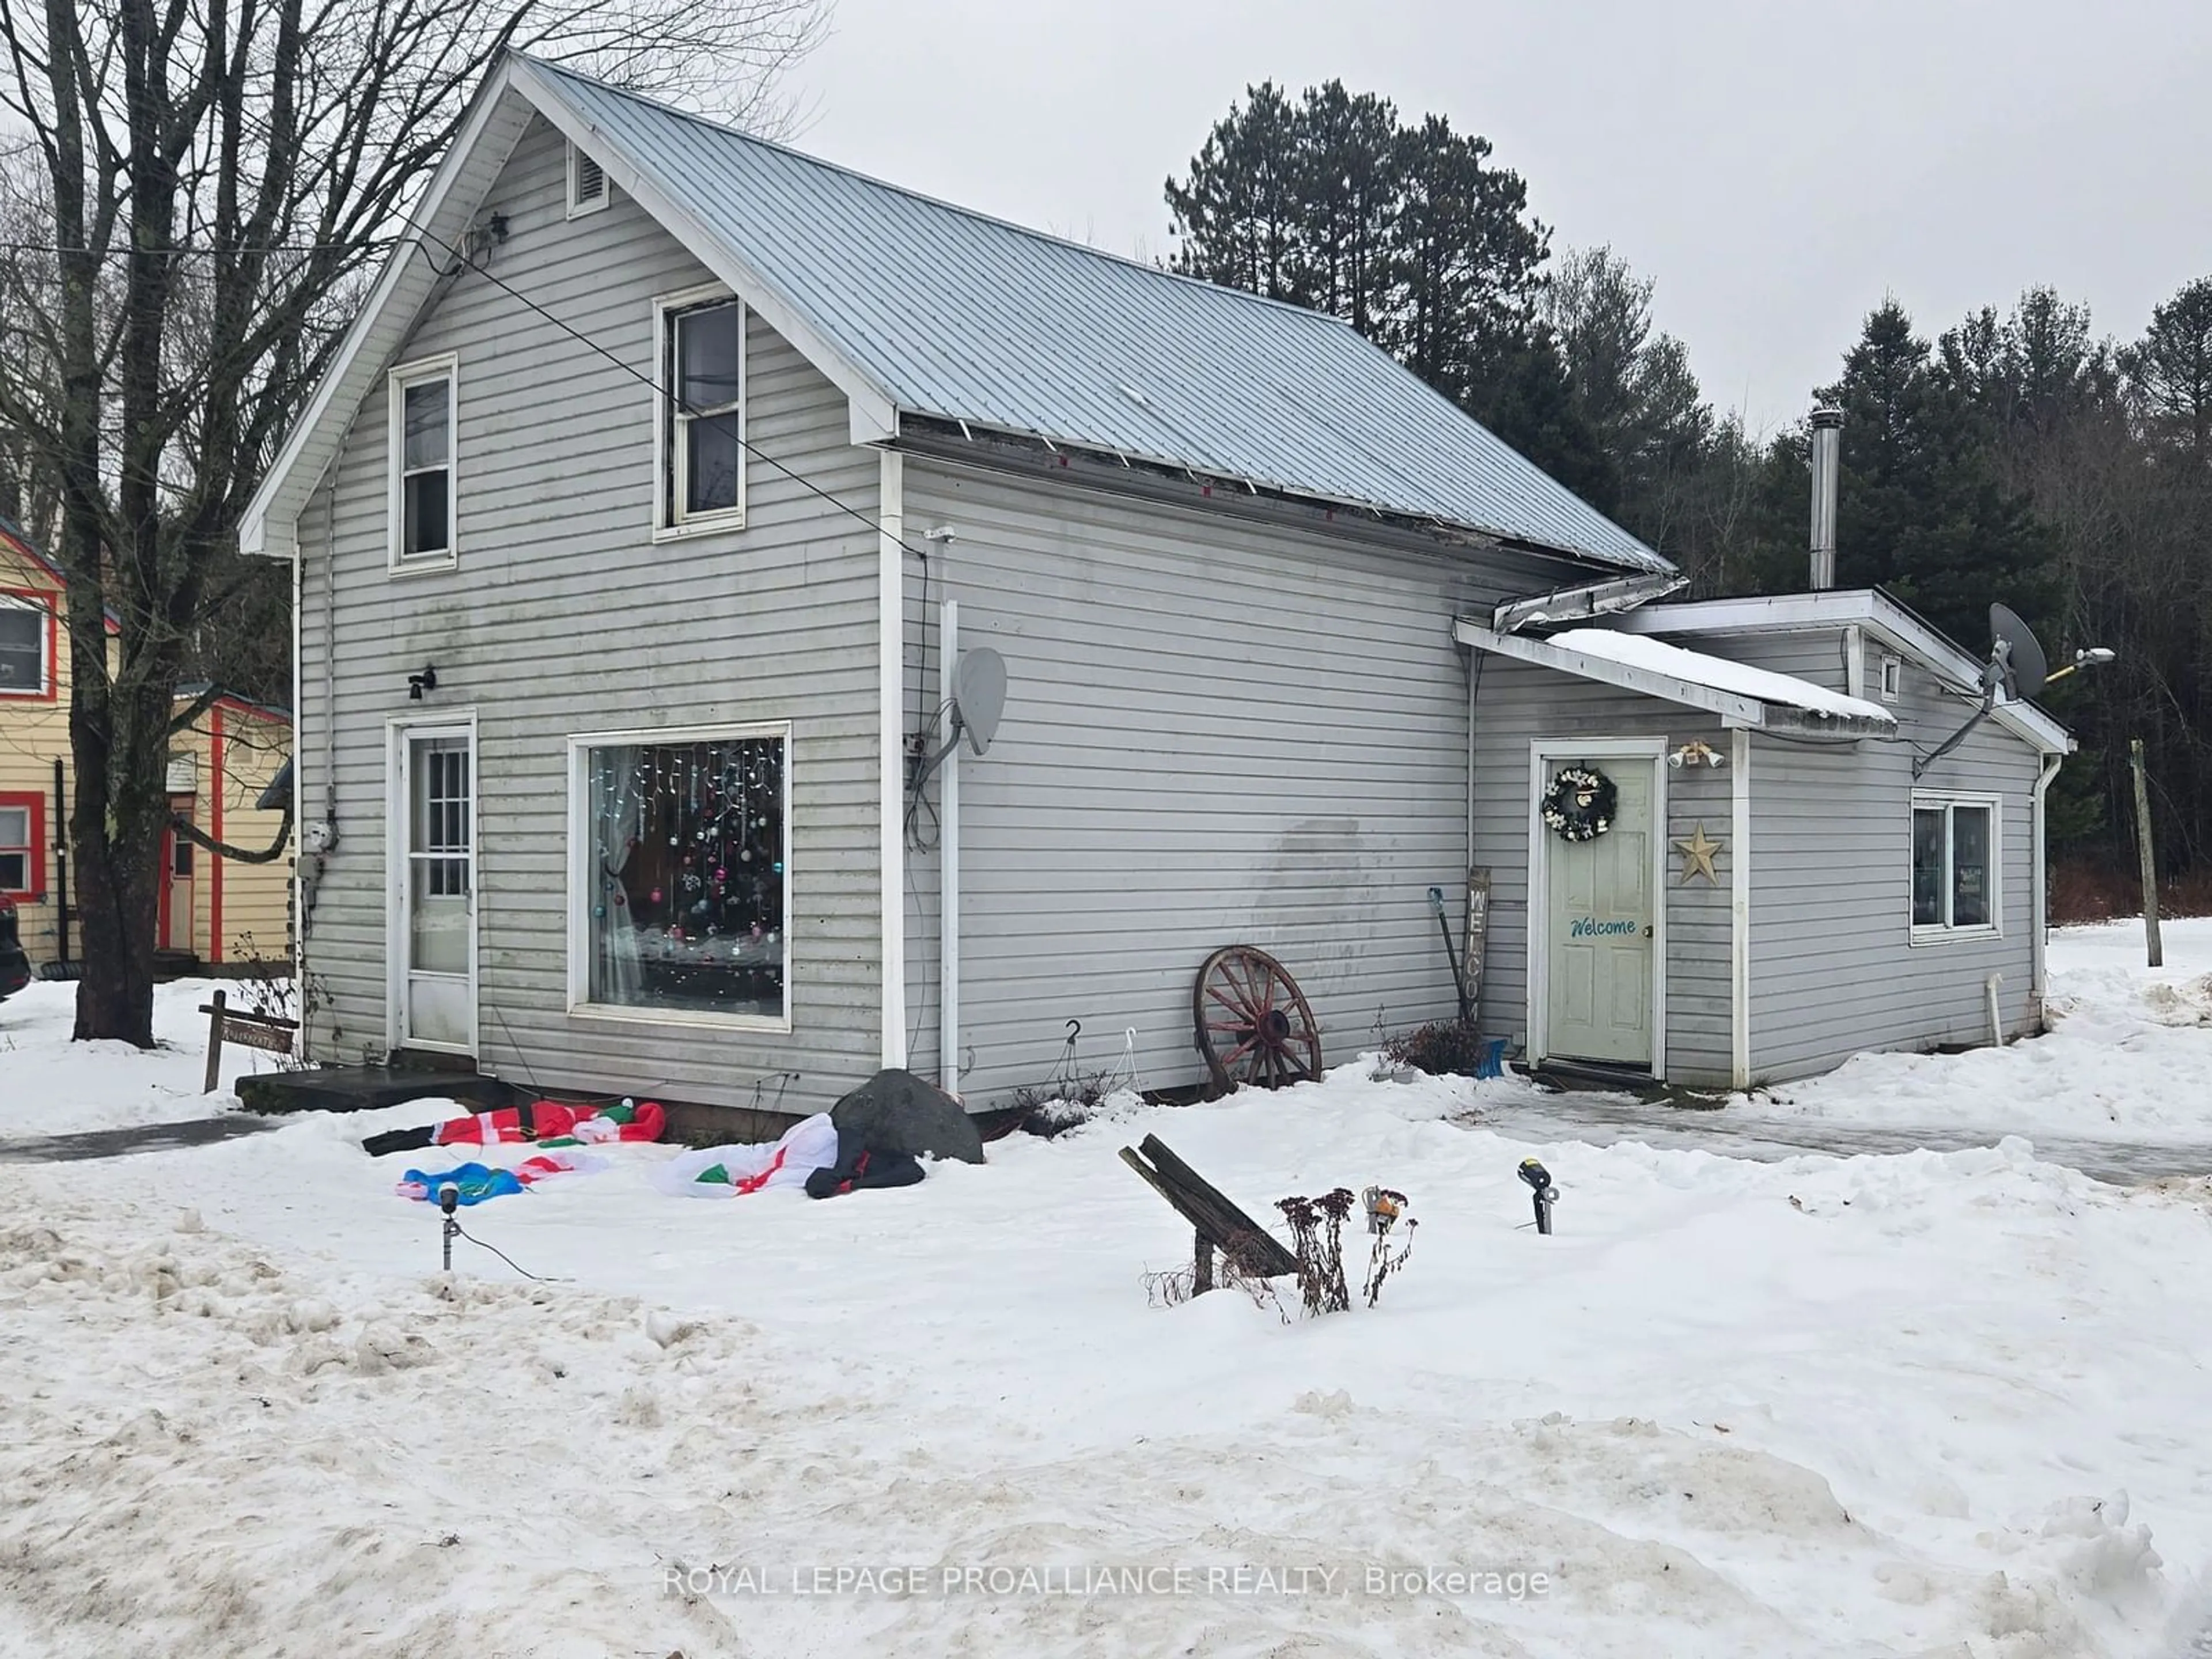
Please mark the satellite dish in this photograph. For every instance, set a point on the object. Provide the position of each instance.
(2015, 658)
(979, 696)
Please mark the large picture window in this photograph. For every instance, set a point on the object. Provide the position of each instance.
(1954, 866)
(423, 406)
(683, 883)
(26, 629)
(702, 346)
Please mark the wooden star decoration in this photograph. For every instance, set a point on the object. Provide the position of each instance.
(1697, 851)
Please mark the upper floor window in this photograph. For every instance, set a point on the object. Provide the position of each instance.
(423, 408)
(702, 473)
(587, 183)
(27, 628)
(1954, 866)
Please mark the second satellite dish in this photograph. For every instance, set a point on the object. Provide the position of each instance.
(979, 696)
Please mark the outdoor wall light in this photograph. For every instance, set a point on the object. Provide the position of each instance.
(1696, 752)
(418, 684)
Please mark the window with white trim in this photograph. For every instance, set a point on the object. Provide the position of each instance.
(588, 184)
(1956, 889)
(25, 629)
(1893, 678)
(423, 415)
(681, 874)
(702, 352)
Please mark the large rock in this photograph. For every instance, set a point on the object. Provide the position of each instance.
(896, 1111)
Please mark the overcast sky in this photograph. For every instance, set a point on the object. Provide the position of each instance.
(1778, 167)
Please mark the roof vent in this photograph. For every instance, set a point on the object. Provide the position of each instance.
(587, 183)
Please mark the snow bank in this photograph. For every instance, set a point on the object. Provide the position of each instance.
(50, 1086)
(1905, 1404)
(2129, 1056)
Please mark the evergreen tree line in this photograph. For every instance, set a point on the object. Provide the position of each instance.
(2017, 455)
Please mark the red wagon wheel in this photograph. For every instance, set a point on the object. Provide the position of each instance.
(1253, 1024)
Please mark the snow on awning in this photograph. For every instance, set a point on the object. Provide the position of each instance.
(1740, 694)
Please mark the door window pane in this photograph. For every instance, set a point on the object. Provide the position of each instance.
(1928, 867)
(685, 876)
(438, 853)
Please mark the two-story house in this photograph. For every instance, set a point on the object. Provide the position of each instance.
(668, 476)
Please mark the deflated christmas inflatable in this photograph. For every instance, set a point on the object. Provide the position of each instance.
(547, 1122)
(734, 1171)
(473, 1183)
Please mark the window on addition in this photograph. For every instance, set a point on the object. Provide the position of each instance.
(702, 475)
(683, 876)
(1954, 867)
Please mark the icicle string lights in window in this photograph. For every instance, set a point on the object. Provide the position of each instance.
(688, 844)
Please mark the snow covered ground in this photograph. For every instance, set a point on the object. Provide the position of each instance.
(50, 1086)
(1930, 1404)
(2129, 1057)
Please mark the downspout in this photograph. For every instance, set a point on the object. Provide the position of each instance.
(890, 661)
(2039, 945)
(1473, 682)
(61, 863)
(948, 865)
(1740, 909)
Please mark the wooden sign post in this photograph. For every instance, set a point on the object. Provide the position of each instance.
(271, 1033)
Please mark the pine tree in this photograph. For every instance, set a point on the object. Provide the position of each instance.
(1346, 167)
(2171, 371)
(1240, 221)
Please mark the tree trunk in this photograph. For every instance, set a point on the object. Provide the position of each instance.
(116, 827)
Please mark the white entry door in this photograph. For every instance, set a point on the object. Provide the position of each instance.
(432, 930)
(1600, 926)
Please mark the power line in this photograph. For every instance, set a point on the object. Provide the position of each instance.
(363, 246)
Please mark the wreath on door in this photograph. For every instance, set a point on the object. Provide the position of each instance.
(1580, 804)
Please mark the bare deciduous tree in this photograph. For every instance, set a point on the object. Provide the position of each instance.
(214, 179)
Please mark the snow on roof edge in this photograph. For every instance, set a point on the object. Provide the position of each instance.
(1739, 679)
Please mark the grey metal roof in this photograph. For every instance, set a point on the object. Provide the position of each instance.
(963, 317)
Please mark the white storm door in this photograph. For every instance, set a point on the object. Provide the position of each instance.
(432, 928)
(1600, 927)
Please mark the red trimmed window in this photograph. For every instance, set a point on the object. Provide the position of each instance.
(27, 645)
(23, 846)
